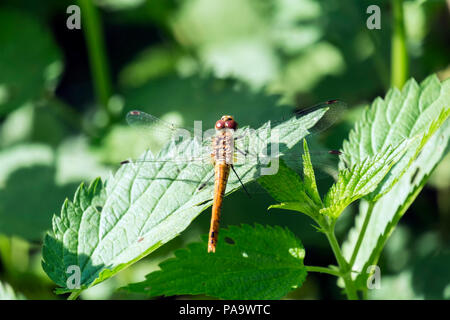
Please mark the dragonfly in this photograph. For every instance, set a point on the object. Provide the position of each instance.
(224, 148)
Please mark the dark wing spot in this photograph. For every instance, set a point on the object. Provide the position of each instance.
(99, 208)
(229, 240)
(125, 162)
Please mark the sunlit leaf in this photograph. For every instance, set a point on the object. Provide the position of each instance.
(360, 180)
(424, 112)
(250, 263)
(401, 115)
(288, 188)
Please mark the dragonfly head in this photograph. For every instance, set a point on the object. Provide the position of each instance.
(226, 122)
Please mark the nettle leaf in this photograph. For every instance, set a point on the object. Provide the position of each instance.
(288, 188)
(309, 176)
(109, 226)
(390, 208)
(415, 112)
(76, 223)
(402, 115)
(250, 263)
(360, 180)
(352, 184)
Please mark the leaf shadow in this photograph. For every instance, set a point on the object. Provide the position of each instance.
(74, 271)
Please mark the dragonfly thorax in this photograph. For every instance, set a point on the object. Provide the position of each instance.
(223, 146)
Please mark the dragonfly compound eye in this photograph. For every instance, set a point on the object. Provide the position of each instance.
(220, 124)
(231, 124)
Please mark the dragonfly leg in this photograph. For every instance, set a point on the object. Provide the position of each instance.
(240, 151)
(243, 186)
(205, 183)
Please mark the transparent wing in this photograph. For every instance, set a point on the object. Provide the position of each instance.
(167, 131)
(154, 127)
(202, 159)
(142, 119)
(254, 145)
(325, 163)
(335, 112)
(177, 154)
(192, 171)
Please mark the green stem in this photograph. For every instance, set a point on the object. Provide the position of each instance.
(74, 295)
(337, 250)
(362, 233)
(399, 53)
(97, 54)
(343, 265)
(323, 270)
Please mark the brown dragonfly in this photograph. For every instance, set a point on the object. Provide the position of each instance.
(225, 147)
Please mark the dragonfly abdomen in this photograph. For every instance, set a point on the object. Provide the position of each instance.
(221, 172)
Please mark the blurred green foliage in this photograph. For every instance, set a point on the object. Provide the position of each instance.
(197, 59)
